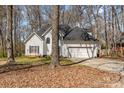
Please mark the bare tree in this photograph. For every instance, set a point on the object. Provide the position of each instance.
(122, 27)
(10, 54)
(1, 32)
(106, 35)
(34, 17)
(55, 37)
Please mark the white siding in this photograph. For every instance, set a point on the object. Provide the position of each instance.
(34, 41)
(48, 47)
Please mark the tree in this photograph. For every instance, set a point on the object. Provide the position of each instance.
(122, 27)
(106, 35)
(55, 37)
(10, 54)
(1, 32)
(34, 17)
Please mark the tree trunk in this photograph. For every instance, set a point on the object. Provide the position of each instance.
(14, 30)
(106, 36)
(113, 31)
(55, 37)
(122, 30)
(1, 32)
(2, 43)
(10, 55)
(109, 31)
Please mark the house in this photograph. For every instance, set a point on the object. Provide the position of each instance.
(73, 42)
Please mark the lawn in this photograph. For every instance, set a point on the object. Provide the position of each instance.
(30, 60)
(33, 60)
(24, 74)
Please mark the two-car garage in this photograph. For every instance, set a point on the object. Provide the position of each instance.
(79, 52)
(82, 52)
(78, 43)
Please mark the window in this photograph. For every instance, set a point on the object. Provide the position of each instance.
(48, 40)
(34, 49)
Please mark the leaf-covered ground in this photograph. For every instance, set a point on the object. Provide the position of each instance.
(62, 77)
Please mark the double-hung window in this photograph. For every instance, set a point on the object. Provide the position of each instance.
(34, 49)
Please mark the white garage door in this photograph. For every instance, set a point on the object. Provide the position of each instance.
(80, 52)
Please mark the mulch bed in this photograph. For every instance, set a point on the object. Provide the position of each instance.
(62, 77)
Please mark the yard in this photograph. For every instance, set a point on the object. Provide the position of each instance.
(35, 72)
(26, 30)
(31, 60)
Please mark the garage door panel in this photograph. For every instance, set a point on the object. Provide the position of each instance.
(80, 52)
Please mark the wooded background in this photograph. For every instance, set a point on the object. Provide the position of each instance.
(106, 22)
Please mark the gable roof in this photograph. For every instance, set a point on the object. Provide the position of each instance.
(63, 29)
(43, 29)
(38, 33)
(75, 34)
(32, 34)
(79, 34)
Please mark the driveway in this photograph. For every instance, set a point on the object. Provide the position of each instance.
(110, 65)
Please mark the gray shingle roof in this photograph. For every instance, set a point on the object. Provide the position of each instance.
(79, 34)
(64, 29)
(75, 34)
(43, 29)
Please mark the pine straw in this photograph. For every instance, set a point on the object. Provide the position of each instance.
(63, 77)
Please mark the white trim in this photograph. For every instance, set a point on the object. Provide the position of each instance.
(28, 37)
(47, 31)
(31, 36)
(38, 36)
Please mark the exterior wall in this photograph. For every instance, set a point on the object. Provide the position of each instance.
(61, 47)
(48, 47)
(93, 50)
(34, 41)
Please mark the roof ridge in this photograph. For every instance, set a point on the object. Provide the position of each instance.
(69, 32)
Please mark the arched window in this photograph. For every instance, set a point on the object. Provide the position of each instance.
(48, 40)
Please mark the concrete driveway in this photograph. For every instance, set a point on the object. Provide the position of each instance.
(110, 65)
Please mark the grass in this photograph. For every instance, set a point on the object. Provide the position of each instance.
(31, 60)
(2, 59)
(65, 61)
